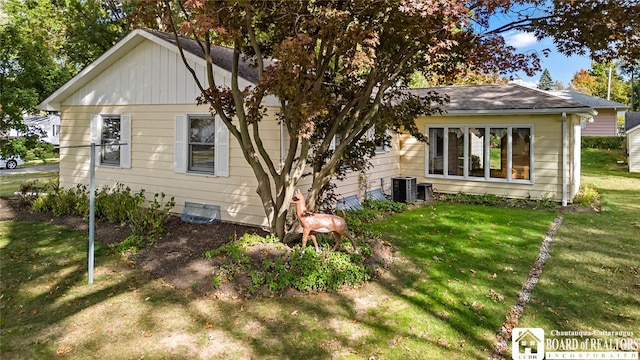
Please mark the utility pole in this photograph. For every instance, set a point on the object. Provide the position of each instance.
(633, 101)
(609, 85)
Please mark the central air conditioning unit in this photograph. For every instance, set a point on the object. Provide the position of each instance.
(404, 189)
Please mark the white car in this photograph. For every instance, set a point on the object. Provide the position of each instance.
(10, 163)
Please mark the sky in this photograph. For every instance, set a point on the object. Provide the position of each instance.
(561, 67)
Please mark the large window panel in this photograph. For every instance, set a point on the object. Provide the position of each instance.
(521, 153)
(490, 153)
(498, 138)
(455, 153)
(476, 152)
(436, 151)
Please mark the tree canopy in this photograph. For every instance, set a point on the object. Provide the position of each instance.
(338, 68)
(341, 67)
(42, 45)
(596, 82)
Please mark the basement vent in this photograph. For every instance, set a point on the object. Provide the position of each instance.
(200, 213)
(375, 194)
(349, 203)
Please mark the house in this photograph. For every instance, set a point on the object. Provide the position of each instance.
(632, 128)
(48, 124)
(506, 140)
(605, 122)
(140, 95)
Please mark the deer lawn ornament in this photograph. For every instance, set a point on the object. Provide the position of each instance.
(320, 223)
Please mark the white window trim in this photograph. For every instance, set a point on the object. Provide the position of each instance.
(486, 177)
(125, 138)
(181, 150)
(379, 149)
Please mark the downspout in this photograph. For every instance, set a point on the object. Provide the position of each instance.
(565, 151)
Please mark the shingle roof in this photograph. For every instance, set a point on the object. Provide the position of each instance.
(505, 97)
(220, 55)
(631, 120)
(592, 101)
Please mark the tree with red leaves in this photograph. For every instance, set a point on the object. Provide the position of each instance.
(338, 68)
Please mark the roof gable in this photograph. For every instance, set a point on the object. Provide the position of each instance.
(220, 55)
(122, 76)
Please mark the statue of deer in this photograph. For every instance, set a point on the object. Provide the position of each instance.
(320, 223)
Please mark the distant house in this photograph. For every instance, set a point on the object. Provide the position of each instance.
(632, 128)
(498, 139)
(49, 124)
(605, 122)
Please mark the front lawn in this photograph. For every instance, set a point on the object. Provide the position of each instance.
(460, 270)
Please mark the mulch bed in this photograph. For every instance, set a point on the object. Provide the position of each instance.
(178, 257)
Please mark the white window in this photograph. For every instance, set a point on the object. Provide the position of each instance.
(381, 146)
(201, 145)
(371, 135)
(486, 152)
(112, 135)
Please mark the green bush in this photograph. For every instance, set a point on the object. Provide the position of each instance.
(147, 223)
(307, 270)
(602, 142)
(61, 202)
(372, 210)
(546, 202)
(588, 195)
(300, 269)
(117, 205)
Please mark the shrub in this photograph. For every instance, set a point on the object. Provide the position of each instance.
(372, 210)
(588, 195)
(147, 223)
(300, 269)
(546, 202)
(116, 205)
(308, 270)
(72, 201)
(602, 142)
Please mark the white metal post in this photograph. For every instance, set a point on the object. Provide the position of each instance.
(92, 204)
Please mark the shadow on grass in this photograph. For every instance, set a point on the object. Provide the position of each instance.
(462, 269)
(592, 281)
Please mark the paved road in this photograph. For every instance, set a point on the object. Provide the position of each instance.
(31, 170)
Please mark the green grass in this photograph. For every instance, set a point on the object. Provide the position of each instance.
(465, 266)
(460, 270)
(592, 280)
(9, 184)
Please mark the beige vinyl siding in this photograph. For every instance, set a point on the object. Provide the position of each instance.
(152, 156)
(633, 147)
(604, 124)
(148, 74)
(386, 165)
(547, 147)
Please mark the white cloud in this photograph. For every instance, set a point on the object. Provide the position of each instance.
(520, 39)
